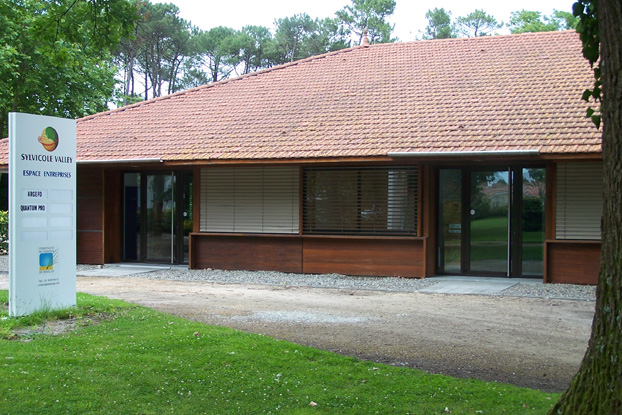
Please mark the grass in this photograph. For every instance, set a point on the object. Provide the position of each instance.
(494, 229)
(139, 361)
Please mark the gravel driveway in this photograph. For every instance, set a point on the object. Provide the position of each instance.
(531, 335)
(532, 341)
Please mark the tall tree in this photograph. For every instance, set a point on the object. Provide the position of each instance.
(300, 36)
(291, 34)
(50, 65)
(163, 42)
(253, 43)
(478, 23)
(531, 21)
(439, 25)
(566, 20)
(125, 57)
(328, 36)
(370, 16)
(597, 387)
(219, 52)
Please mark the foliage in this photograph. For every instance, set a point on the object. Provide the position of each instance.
(585, 12)
(157, 50)
(217, 51)
(253, 43)
(439, 25)
(531, 21)
(532, 214)
(50, 65)
(165, 53)
(478, 23)
(141, 361)
(370, 16)
(299, 37)
(567, 21)
(4, 232)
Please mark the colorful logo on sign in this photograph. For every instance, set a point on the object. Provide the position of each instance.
(46, 261)
(49, 139)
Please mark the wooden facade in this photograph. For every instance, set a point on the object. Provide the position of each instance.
(377, 256)
(100, 238)
(246, 252)
(572, 262)
(90, 220)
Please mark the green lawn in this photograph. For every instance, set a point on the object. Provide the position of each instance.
(139, 361)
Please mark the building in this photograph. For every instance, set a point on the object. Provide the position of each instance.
(459, 156)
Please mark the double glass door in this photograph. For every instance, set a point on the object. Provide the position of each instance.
(157, 216)
(491, 221)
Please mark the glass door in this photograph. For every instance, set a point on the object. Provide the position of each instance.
(450, 221)
(532, 221)
(489, 222)
(160, 216)
(157, 216)
(184, 217)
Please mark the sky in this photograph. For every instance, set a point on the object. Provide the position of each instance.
(409, 17)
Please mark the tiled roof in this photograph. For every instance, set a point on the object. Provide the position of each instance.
(517, 92)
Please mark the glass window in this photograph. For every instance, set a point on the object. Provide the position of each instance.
(131, 217)
(532, 221)
(450, 221)
(379, 200)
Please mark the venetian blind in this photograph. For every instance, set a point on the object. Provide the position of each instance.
(250, 199)
(579, 200)
(379, 200)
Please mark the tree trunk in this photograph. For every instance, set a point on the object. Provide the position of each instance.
(597, 387)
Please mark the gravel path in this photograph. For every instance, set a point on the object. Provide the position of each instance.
(533, 289)
(392, 284)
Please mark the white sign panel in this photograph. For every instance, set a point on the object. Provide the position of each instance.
(42, 213)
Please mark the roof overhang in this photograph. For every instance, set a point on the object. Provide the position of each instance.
(453, 154)
(121, 161)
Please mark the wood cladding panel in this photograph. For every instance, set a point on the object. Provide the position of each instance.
(113, 216)
(373, 256)
(89, 182)
(572, 262)
(89, 214)
(90, 247)
(246, 252)
(89, 221)
(429, 203)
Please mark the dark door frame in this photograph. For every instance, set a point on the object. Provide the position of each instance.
(467, 190)
(176, 224)
(515, 176)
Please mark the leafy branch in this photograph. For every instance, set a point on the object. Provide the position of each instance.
(587, 27)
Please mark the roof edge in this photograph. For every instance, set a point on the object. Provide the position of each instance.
(527, 152)
(121, 161)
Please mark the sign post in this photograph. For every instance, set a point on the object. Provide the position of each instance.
(42, 213)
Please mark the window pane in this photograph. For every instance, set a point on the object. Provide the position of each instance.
(532, 218)
(360, 201)
(131, 216)
(450, 220)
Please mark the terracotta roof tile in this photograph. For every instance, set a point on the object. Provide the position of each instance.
(514, 92)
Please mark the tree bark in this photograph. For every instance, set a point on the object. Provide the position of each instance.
(597, 387)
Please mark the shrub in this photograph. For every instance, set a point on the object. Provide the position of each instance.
(4, 232)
